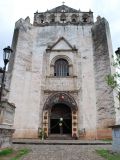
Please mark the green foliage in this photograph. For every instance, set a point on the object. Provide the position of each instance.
(42, 134)
(107, 140)
(107, 155)
(111, 81)
(21, 153)
(6, 151)
(9, 152)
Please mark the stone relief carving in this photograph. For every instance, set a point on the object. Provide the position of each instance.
(60, 97)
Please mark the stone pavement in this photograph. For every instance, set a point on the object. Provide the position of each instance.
(62, 152)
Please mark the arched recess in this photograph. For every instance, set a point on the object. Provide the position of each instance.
(52, 18)
(66, 100)
(74, 18)
(63, 18)
(42, 18)
(52, 64)
(85, 18)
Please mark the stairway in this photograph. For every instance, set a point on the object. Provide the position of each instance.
(59, 137)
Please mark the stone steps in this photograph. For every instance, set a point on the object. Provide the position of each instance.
(59, 142)
(59, 137)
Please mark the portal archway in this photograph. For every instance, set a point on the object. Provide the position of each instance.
(61, 119)
(60, 103)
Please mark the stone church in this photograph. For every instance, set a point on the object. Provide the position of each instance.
(57, 75)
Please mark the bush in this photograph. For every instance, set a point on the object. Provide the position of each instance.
(42, 134)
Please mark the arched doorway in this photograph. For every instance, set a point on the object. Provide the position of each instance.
(61, 119)
(60, 108)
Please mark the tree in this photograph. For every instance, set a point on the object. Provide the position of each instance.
(113, 80)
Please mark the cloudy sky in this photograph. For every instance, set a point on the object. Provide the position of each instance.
(12, 10)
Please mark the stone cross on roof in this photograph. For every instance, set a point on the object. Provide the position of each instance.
(63, 2)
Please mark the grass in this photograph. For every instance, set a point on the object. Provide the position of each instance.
(21, 153)
(10, 154)
(107, 140)
(6, 152)
(107, 155)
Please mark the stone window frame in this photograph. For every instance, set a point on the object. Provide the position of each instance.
(52, 65)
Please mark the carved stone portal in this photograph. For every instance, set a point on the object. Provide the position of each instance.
(55, 114)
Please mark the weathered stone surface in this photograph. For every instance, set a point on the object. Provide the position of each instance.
(7, 111)
(6, 133)
(102, 67)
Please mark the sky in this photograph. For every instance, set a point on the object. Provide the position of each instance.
(12, 10)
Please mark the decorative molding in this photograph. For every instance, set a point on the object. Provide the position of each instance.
(51, 48)
(62, 8)
(56, 91)
(60, 97)
(59, 57)
(51, 76)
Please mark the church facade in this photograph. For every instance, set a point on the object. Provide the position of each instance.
(57, 75)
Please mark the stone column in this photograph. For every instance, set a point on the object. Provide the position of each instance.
(74, 124)
(45, 122)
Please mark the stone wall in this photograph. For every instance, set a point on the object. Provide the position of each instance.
(102, 67)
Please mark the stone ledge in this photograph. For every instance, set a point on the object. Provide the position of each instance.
(115, 126)
(5, 126)
(52, 76)
(56, 91)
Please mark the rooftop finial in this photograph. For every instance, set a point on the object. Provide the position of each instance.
(63, 2)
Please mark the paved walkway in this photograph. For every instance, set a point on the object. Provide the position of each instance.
(62, 152)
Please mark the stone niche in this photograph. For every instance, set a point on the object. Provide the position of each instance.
(116, 138)
(7, 111)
